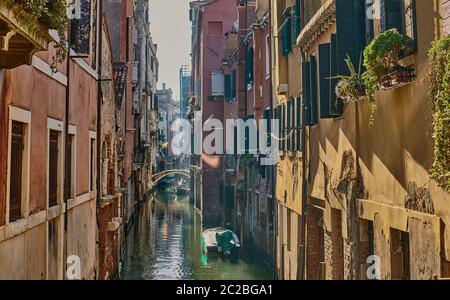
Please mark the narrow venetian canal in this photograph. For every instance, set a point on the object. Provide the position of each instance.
(165, 244)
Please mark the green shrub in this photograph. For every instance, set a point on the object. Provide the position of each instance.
(380, 56)
(439, 74)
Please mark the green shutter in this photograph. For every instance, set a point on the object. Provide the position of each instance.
(280, 126)
(313, 89)
(306, 103)
(324, 81)
(286, 32)
(229, 197)
(296, 24)
(233, 84)
(391, 15)
(288, 123)
(298, 126)
(336, 105)
(227, 86)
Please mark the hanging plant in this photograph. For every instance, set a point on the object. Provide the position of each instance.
(381, 59)
(439, 74)
(351, 88)
(48, 14)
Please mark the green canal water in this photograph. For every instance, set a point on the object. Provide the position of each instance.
(164, 243)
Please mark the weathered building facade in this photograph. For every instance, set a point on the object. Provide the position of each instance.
(48, 203)
(210, 20)
(286, 70)
(367, 199)
(70, 206)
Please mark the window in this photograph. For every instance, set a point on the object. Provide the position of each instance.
(81, 29)
(53, 169)
(18, 164)
(16, 171)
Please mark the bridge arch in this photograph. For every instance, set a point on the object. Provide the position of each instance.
(158, 176)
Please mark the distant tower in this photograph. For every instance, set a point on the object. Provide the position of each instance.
(185, 89)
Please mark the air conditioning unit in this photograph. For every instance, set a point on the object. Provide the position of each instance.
(283, 88)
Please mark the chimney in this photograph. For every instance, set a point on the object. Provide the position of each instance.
(164, 86)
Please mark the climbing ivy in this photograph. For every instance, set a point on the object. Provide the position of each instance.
(439, 74)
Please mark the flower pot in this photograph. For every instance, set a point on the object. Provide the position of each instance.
(397, 77)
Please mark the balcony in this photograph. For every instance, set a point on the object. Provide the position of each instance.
(21, 34)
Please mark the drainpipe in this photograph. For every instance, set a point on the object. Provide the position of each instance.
(99, 103)
(301, 275)
(66, 143)
(99, 99)
(274, 168)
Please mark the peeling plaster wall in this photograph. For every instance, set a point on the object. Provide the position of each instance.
(388, 165)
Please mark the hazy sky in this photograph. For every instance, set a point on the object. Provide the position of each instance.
(171, 30)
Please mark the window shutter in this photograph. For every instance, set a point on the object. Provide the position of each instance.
(324, 81)
(391, 15)
(288, 125)
(235, 137)
(336, 105)
(53, 169)
(306, 108)
(298, 127)
(296, 24)
(280, 126)
(351, 33)
(217, 84)
(229, 197)
(15, 193)
(313, 89)
(286, 32)
(228, 87)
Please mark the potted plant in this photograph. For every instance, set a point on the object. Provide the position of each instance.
(383, 70)
(46, 14)
(351, 88)
(381, 58)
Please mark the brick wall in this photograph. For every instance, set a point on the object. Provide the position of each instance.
(315, 243)
(446, 16)
(337, 243)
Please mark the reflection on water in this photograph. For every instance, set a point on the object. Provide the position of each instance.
(165, 244)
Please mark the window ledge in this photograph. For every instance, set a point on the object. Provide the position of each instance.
(407, 61)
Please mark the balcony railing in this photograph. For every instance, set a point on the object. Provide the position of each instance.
(24, 29)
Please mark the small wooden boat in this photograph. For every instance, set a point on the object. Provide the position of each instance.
(219, 241)
(183, 188)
